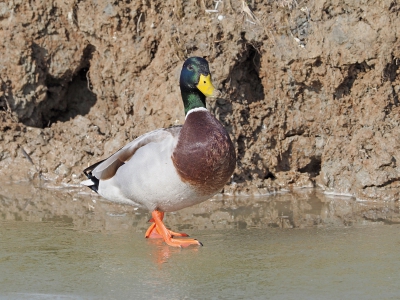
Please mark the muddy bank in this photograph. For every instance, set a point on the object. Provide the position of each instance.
(310, 89)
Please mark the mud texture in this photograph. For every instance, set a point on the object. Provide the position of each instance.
(310, 88)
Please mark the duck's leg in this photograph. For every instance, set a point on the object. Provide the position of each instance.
(158, 230)
(153, 233)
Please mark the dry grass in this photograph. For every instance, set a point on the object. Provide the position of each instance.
(250, 16)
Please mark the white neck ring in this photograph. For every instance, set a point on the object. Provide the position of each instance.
(194, 110)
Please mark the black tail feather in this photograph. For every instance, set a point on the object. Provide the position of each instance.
(88, 173)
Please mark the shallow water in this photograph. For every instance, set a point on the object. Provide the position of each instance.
(303, 245)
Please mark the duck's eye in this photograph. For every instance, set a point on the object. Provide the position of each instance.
(190, 67)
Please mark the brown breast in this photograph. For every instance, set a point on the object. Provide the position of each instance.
(204, 156)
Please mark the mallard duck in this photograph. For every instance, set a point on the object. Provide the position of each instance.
(168, 169)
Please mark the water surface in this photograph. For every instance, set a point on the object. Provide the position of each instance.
(303, 245)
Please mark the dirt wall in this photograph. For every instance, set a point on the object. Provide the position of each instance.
(310, 88)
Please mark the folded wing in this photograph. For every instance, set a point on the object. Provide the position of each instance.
(107, 168)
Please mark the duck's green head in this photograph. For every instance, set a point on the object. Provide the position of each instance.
(195, 83)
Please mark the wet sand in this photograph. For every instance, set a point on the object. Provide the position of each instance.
(303, 245)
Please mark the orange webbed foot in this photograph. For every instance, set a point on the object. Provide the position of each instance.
(158, 230)
(153, 233)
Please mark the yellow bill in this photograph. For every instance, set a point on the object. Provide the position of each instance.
(205, 86)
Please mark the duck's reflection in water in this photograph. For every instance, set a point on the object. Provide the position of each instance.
(161, 252)
(87, 212)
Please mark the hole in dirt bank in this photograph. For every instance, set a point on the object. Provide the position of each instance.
(65, 96)
(353, 72)
(283, 164)
(270, 176)
(313, 167)
(244, 81)
(78, 99)
(317, 63)
(75, 97)
(390, 71)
